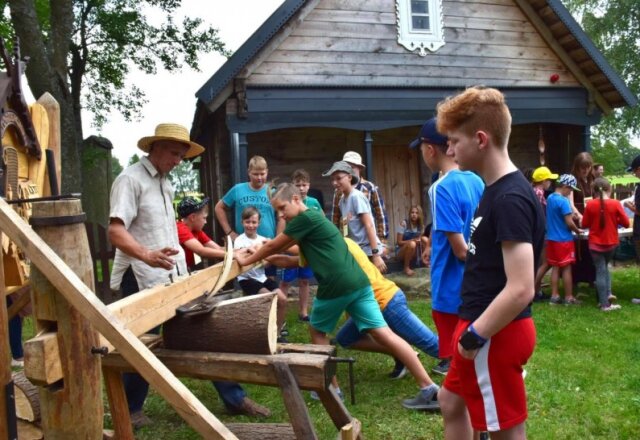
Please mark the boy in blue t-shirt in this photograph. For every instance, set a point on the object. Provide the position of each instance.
(342, 285)
(560, 246)
(454, 198)
(242, 195)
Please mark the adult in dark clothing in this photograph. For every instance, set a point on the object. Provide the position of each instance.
(583, 270)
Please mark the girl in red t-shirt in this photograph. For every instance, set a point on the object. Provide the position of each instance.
(602, 216)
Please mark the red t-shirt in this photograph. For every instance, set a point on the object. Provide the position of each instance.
(614, 215)
(186, 234)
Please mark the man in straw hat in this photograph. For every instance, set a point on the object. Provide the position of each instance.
(143, 229)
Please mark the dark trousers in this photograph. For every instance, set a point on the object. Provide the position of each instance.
(15, 334)
(136, 388)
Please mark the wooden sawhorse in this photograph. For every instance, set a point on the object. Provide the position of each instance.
(297, 367)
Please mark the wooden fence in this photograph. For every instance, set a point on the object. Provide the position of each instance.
(102, 254)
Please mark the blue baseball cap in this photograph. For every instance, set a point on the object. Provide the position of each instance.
(429, 134)
(570, 181)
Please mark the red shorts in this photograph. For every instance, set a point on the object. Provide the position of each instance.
(446, 325)
(561, 253)
(491, 384)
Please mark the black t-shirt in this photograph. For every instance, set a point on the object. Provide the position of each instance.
(508, 211)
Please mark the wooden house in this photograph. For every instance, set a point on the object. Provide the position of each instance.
(321, 77)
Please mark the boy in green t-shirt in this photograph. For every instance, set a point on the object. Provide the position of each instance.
(342, 284)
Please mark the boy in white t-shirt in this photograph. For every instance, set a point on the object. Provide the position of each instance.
(255, 280)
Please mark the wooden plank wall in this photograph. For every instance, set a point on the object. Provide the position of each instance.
(354, 42)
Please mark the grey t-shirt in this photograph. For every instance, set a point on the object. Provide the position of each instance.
(351, 209)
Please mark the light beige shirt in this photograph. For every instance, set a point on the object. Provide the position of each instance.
(143, 200)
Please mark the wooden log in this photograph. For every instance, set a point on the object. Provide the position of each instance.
(74, 290)
(8, 427)
(312, 372)
(241, 325)
(27, 399)
(262, 431)
(73, 408)
(29, 431)
(40, 120)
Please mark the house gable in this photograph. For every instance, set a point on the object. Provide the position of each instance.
(354, 43)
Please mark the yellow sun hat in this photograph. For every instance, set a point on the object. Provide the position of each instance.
(171, 132)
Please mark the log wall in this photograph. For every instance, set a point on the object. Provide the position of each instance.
(354, 43)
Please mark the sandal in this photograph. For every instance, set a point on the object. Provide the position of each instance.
(572, 302)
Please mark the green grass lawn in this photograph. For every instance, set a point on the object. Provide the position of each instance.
(583, 380)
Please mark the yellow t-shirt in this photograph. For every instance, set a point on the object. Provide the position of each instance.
(383, 288)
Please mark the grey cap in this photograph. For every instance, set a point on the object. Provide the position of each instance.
(339, 166)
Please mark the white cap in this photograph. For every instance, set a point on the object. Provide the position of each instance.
(353, 158)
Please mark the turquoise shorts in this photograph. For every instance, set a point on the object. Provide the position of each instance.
(361, 306)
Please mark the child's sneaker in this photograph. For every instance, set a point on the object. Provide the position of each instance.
(610, 307)
(555, 300)
(442, 367)
(572, 302)
(612, 298)
(635, 300)
(399, 370)
(426, 399)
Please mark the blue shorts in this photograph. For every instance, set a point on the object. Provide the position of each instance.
(361, 306)
(290, 275)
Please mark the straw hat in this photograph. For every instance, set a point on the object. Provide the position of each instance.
(171, 132)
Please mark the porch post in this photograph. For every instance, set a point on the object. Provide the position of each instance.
(242, 159)
(586, 138)
(234, 144)
(368, 154)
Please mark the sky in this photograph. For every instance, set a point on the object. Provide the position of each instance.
(171, 97)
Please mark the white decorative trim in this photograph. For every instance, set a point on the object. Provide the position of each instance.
(420, 40)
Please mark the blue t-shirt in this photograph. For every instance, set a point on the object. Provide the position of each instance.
(241, 196)
(557, 207)
(454, 199)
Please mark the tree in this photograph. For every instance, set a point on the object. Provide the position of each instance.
(615, 155)
(82, 50)
(116, 167)
(184, 178)
(614, 27)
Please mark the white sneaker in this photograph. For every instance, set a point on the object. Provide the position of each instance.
(610, 307)
(17, 363)
(635, 300)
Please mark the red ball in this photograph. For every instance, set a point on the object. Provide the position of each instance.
(554, 78)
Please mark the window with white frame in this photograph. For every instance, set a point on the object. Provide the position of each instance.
(420, 25)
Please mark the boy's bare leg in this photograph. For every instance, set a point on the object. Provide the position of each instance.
(518, 432)
(403, 351)
(457, 424)
(555, 279)
(367, 343)
(303, 297)
(320, 338)
(567, 282)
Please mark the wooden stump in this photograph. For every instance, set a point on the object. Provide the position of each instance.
(27, 399)
(241, 325)
(72, 407)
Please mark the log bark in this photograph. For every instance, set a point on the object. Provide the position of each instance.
(27, 399)
(262, 431)
(241, 325)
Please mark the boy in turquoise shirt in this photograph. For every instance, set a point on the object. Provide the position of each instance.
(342, 284)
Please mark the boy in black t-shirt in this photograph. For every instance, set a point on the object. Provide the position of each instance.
(635, 207)
(484, 389)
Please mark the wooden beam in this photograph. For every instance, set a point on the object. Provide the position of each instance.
(262, 431)
(8, 426)
(293, 401)
(118, 404)
(312, 372)
(85, 301)
(42, 359)
(550, 39)
(23, 299)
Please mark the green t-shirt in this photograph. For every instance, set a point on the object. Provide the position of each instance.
(327, 254)
(312, 203)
